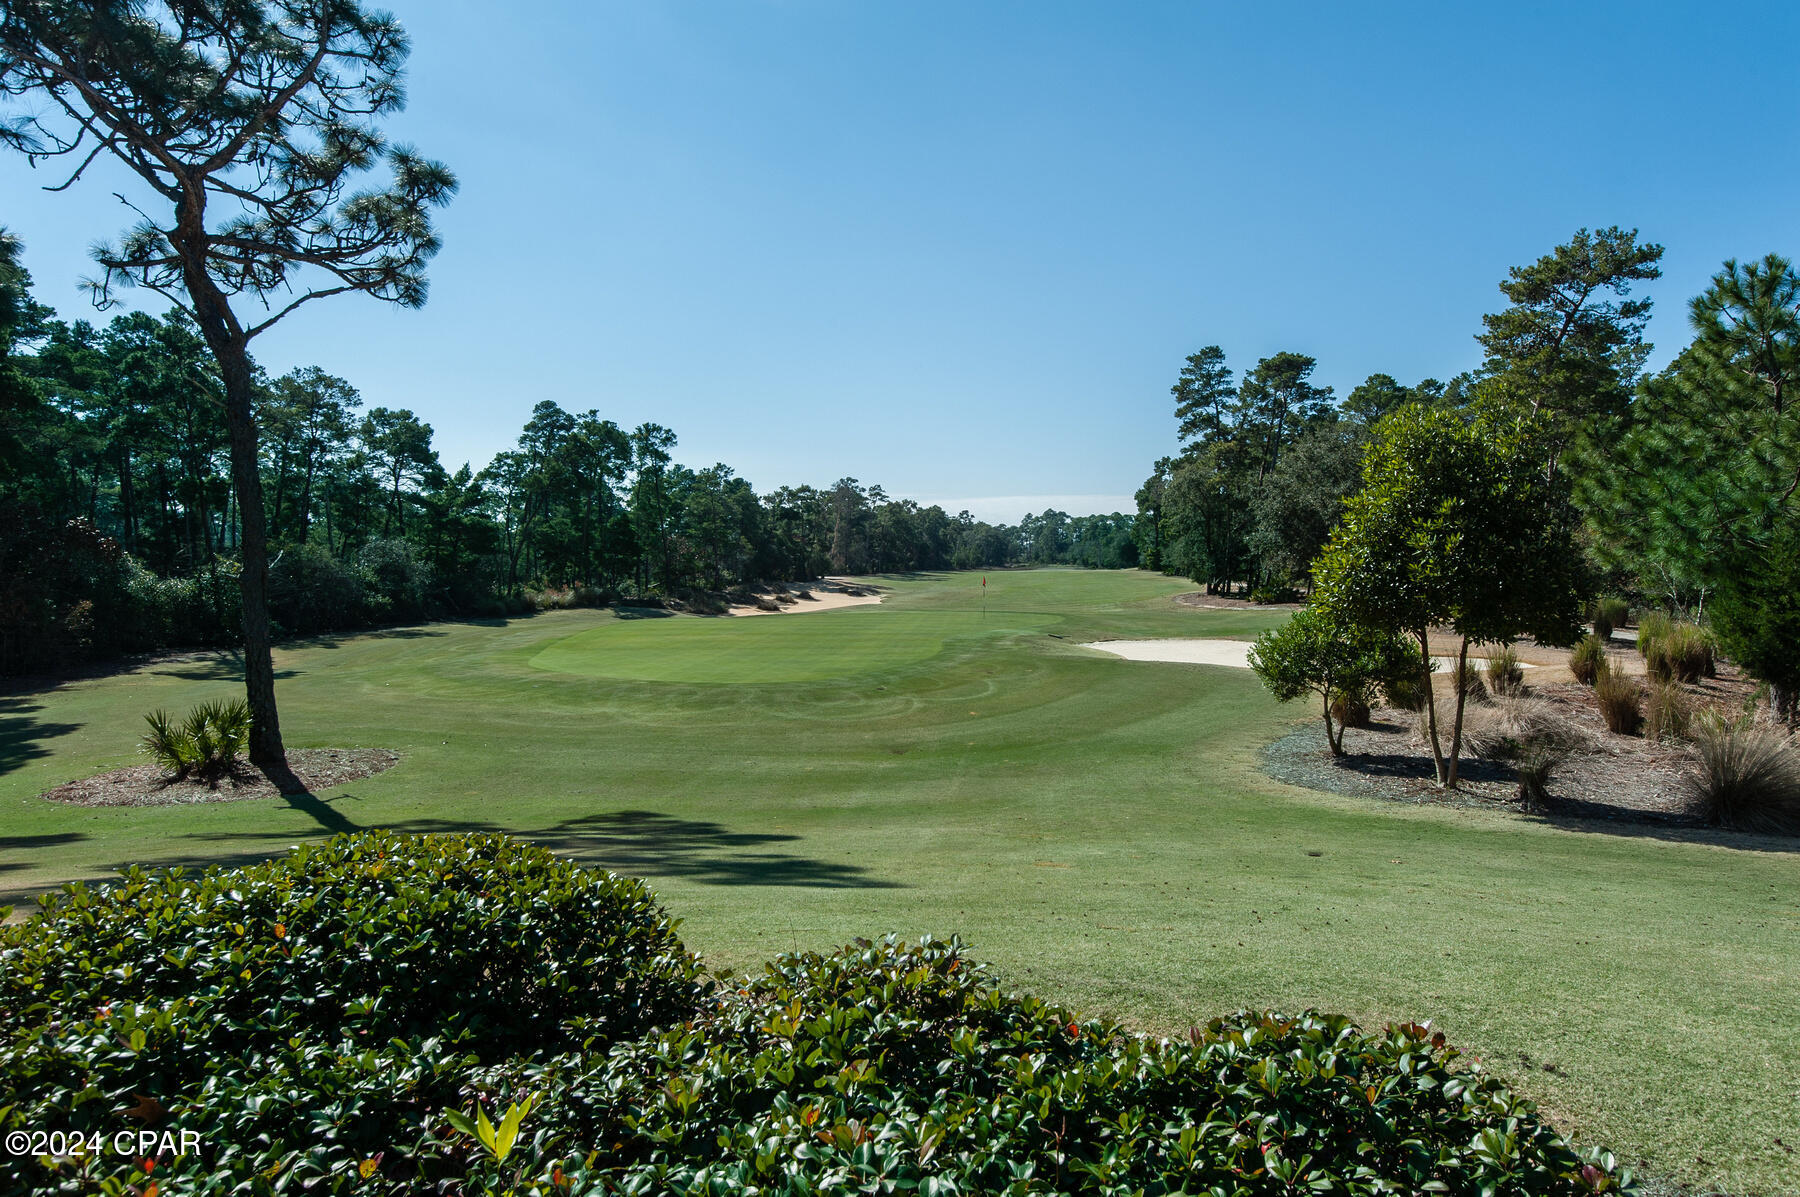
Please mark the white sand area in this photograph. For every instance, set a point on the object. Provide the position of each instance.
(1231, 653)
(825, 596)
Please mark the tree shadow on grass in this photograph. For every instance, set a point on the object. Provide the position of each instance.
(1299, 758)
(22, 733)
(334, 639)
(642, 613)
(222, 667)
(1593, 818)
(635, 842)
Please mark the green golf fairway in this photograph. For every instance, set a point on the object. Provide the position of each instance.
(1097, 828)
(768, 649)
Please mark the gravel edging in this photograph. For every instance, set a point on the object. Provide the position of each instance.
(1632, 783)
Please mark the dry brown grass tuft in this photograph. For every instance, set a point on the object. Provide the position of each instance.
(1745, 776)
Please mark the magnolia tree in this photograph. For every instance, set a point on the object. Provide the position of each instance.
(1316, 652)
(247, 124)
(1458, 524)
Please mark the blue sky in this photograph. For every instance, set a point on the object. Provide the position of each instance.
(960, 249)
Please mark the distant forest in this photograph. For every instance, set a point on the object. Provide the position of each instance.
(121, 525)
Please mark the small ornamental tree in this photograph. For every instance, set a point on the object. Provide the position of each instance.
(248, 124)
(1457, 524)
(1317, 653)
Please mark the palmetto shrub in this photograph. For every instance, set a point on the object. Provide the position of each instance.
(1504, 673)
(339, 1021)
(1621, 700)
(207, 744)
(1588, 659)
(1745, 776)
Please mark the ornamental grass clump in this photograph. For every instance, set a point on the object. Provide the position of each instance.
(1466, 677)
(395, 1015)
(1531, 736)
(1685, 654)
(1653, 627)
(207, 744)
(1350, 708)
(1504, 673)
(1588, 659)
(1745, 776)
(1668, 711)
(1608, 614)
(1621, 700)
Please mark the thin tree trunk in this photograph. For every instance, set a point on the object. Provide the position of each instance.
(1437, 751)
(1462, 697)
(305, 514)
(127, 501)
(1336, 741)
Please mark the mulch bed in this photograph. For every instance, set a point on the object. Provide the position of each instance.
(148, 785)
(1220, 602)
(1625, 778)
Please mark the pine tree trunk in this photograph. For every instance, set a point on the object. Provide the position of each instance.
(266, 749)
(230, 349)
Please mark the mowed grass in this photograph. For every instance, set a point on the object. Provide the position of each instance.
(1094, 826)
(760, 649)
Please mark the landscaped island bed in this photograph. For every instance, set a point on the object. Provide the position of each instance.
(1098, 829)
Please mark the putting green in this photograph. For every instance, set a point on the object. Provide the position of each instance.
(779, 648)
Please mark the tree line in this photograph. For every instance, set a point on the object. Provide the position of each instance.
(1502, 504)
(127, 528)
(161, 490)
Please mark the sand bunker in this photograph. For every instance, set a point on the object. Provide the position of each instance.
(1188, 652)
(1231, 653)
(829, 595)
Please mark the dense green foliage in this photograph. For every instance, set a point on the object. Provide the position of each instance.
(307, 1013)
(1685, 482)
(512, 988)
(1343, 663)
(1694, 500)
(1457, 524)
(1570, 343)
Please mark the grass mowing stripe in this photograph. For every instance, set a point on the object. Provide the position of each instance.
(763, 650)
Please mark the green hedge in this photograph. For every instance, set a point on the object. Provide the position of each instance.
(361, 1017)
